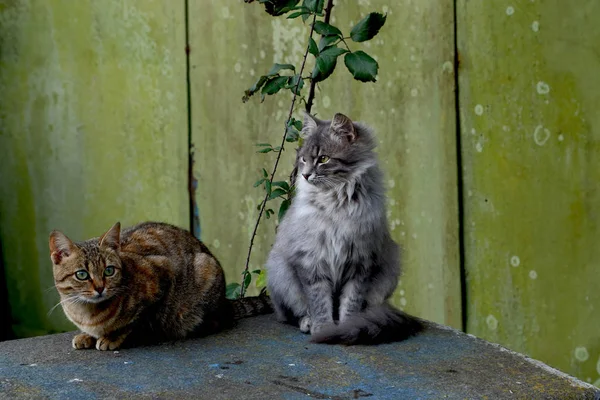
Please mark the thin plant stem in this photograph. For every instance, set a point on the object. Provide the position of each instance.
(313, 84)
(281, 148)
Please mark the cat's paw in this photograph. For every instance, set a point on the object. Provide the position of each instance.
(316, 328)
(105, 344)
(305, 324)
(83, 341)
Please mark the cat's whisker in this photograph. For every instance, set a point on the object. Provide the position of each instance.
(49, 288)
(70, 299)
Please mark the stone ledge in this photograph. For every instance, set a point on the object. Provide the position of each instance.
(262, 359)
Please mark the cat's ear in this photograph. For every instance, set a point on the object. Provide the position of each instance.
(342, 127)
(60, 247)
(112, 238)
(309, 126)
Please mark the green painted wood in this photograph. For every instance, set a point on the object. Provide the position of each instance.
(411, 107)
(530, 129)
(93, 129)
(230, 46)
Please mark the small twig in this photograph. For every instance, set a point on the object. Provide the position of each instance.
(345, 44)
(328, 11)
(264, 202)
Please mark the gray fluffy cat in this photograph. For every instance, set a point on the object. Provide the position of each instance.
(334, 264)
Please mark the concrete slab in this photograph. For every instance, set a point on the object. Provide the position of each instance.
(262, 359)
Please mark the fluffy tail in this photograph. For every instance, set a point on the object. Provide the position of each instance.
(251, 306)
(381, 324)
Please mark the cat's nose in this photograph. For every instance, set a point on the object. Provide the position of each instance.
(100, 290)
(306, 176)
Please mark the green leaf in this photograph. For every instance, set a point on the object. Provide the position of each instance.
(259, 83)
(257, 271)
(232, 291)
(333, 51)
(265, 150)
(362, 67)
(269, 212)
(315, 6)
(295, 84)
(326, 62)
(312, 47)
(291, 134)
(325, 29)
(265, 173)
(261, 279)
(274, 85)
(327, 41)
(283, 209)
(259, 182)
(276, 193)
(297, 123)
(282, 184)
(301, 11)
(268, 187)
(262, 144)
(278, 67)
(247, 280)
(367, 27)
(279, 7)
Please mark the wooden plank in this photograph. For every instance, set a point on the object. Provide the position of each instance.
(529, 100)
(231, 46)
(93, 130)
(411, 107)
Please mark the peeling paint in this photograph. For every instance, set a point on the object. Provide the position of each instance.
(491, 322)
(581, 354)
(515, 261)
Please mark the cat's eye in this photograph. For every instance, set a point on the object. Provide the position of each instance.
(109, 271)
(303, 160)
(323, 159)
(82, 275)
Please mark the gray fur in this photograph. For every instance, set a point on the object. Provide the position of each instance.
(334, 263)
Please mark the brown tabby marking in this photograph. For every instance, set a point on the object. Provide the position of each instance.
(148, 283)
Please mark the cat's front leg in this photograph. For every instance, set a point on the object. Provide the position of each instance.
(305, 324)
(352, 300)
(83, 341)
(320, 304)
(111, 342)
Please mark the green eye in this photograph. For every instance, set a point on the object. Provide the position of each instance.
(109, 271)
(323, 159)
(82, 275)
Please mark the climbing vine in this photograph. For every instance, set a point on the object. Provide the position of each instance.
(331, 45)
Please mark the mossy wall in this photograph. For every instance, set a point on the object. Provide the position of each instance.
(93, 129)
(530, 132)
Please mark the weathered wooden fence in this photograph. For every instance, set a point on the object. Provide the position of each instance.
(493, 183)
(529, 88)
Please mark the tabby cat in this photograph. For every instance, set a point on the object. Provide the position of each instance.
(334, 264)
(149, 283)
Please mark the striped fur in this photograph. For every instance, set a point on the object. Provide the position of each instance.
(149, 283)
(251, 306)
